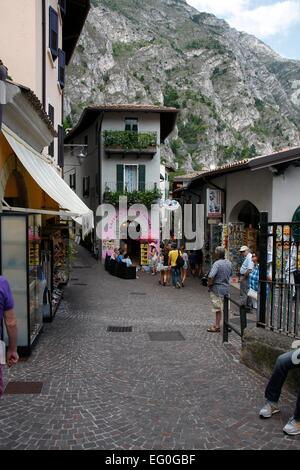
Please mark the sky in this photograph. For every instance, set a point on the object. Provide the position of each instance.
(275, 22)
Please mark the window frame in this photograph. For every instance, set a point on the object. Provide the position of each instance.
(131, 124)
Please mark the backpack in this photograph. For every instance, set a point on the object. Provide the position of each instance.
(179, 261)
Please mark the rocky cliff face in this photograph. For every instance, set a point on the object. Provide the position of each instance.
(237, 97)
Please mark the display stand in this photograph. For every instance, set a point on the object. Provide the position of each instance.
(144, 254)
(21, 265)
(59, 238)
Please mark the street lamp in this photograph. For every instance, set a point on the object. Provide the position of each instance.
(82, 155)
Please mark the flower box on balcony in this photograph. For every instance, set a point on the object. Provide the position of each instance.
(130, 141)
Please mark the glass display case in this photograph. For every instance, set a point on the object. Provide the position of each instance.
(21, 265)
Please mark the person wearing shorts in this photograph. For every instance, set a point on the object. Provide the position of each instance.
(218, 286)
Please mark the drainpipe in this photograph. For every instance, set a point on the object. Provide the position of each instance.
(3, 77)
(99, 142)
(44, 54)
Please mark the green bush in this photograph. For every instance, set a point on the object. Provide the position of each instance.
(171, 97)
(128, 140)
(135, 197)
(191, 131)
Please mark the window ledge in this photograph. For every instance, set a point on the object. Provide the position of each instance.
(53, 64)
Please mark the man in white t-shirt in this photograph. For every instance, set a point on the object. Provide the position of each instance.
(245, 270)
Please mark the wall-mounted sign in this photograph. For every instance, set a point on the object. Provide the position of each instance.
(214, 203)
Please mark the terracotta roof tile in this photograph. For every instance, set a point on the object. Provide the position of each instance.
(134, 107)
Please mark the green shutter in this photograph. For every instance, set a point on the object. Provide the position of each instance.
(120, 177)
(142, 177)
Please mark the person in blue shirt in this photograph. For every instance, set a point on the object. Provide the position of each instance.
(245, 270)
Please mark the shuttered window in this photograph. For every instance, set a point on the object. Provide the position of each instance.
(51, 117)
(61, 67)
(61, 139)
(142, 177)
(86, 186)
(53, 32)
(73, 181)
(120, 177)
(131, 124)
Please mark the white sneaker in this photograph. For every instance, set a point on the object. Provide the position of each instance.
(292, 427)
(268, 410)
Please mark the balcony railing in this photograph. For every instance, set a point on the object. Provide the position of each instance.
(149, 195)
(130, 141)
(114, 187)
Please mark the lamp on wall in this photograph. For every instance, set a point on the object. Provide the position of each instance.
(81, 156)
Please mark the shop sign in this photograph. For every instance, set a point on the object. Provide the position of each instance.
(214, 203)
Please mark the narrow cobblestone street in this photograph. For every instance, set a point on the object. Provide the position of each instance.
(124, 390)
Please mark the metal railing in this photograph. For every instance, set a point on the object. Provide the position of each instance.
(227, 326)
(113, 187)
(279, 276)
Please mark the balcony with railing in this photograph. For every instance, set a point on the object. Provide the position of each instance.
(130, 142)
(146, 194)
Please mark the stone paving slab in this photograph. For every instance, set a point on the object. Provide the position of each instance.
(108, 390)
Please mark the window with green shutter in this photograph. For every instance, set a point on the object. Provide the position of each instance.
(142, 177)
(120, 177)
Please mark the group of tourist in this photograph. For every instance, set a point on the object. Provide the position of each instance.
(121, 256)
(173, 262)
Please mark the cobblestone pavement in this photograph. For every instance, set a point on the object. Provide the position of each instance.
(109, 390)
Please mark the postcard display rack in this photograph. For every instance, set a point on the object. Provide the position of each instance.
(144, 254)
(235, 241)
(21, 265)
(59, 236)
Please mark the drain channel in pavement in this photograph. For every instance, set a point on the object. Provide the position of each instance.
(138, 293)
(166, 336)
(23, 388)
(120, 329)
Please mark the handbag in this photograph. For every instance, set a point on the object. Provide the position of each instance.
(252, 293)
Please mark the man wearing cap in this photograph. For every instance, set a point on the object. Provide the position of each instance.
(245, 270)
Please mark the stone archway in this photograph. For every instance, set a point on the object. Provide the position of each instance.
(246, 212)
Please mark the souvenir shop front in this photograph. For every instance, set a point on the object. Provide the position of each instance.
(34, 235)
(241, 229)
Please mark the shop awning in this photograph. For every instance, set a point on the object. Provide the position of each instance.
(47, 177)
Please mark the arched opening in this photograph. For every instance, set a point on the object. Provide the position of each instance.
(246, 213)
(15, 191)
(243, 230)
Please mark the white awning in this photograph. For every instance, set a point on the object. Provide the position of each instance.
(47, 177)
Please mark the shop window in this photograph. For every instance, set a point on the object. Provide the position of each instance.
(61, 68)
(51, 117)
(53, 32)
(61, 139)
(72, 181)
(86, 186)
(131, 124)
(63, 6)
